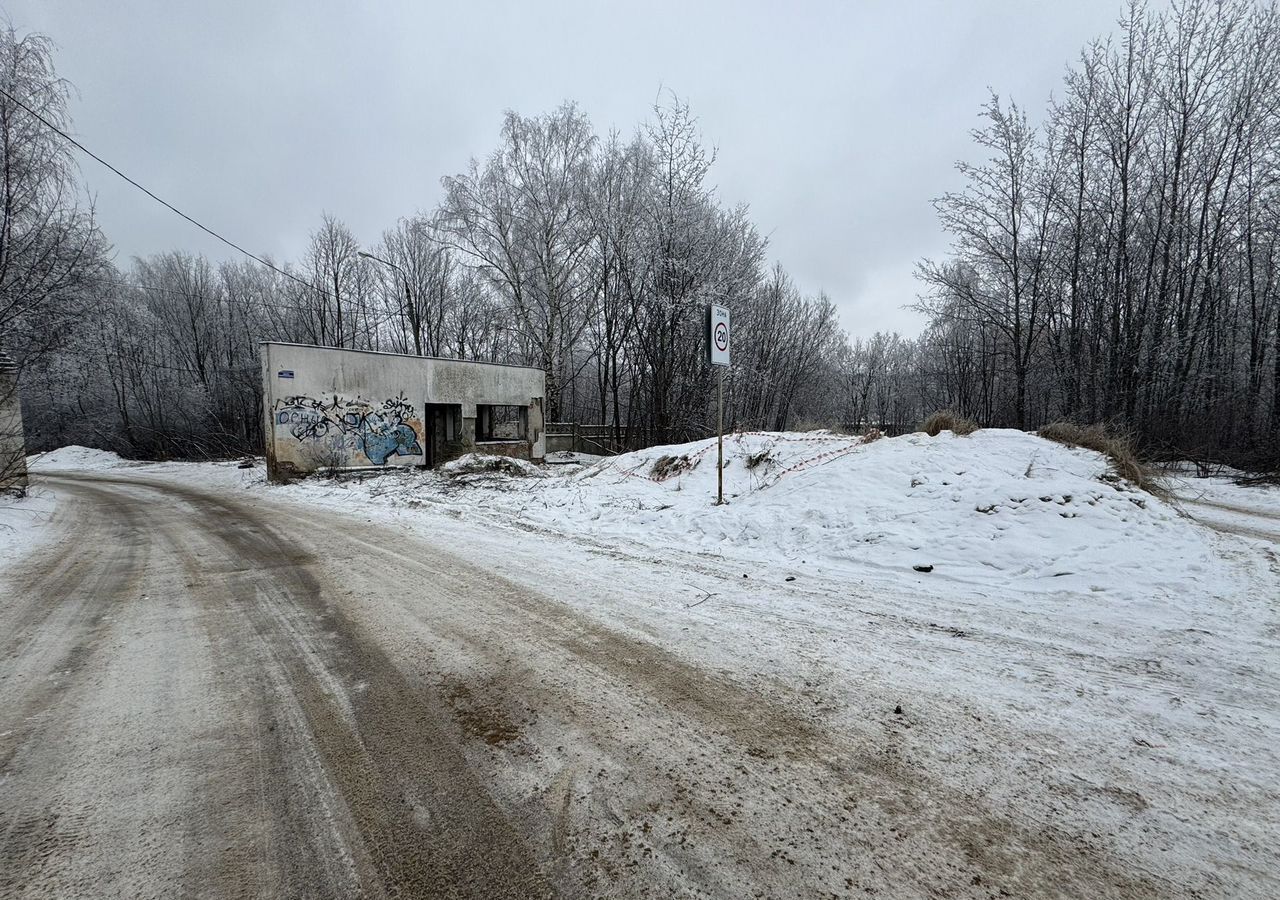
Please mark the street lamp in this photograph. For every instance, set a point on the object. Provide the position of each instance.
(385, 262)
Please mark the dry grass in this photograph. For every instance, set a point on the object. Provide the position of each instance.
(667, 466)
(324, 460)
(814, 425)
(948, 420)
(871, 434)
(1116, 446)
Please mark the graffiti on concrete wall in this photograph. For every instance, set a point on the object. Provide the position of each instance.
(376, 430)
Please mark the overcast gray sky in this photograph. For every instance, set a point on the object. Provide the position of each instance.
(836, 122)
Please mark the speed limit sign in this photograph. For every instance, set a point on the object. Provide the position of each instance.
(718, 336)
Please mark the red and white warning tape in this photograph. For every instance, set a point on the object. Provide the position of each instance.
(813, 461)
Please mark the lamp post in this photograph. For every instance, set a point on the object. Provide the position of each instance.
(408, 298)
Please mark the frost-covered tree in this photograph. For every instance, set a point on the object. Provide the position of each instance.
(51, 252)
(521, 221)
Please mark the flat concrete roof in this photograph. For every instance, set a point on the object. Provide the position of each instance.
(449, 359)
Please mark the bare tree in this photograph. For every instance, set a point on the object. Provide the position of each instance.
(1001, 227)
(520, 220)
(338, 276)
(50, 248)
(1122, 264)
(416, 285)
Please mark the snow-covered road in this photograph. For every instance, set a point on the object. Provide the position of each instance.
(433, 690)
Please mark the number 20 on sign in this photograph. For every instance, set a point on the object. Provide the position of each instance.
(718, 336)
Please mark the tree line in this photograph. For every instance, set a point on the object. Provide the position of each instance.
(1115, 261)
(590, 257)
(1120, 261)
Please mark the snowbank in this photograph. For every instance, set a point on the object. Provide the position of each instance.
(487, 464)
(22, 522)
(998, 508)
(78, 458)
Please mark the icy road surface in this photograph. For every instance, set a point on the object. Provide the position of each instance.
(209, 691)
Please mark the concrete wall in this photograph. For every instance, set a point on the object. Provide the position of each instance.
(13, 451)
(351, 409)
(560, 443)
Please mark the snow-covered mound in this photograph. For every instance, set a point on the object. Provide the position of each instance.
(998, 507)
(487, 464)
(994, 510)
(75, 457)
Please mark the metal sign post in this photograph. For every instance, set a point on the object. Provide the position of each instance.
(718, 355)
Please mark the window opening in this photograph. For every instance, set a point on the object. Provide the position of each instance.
(502, 423)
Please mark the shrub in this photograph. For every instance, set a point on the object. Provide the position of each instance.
(948, 420)
(1117, 447)
(324, 460)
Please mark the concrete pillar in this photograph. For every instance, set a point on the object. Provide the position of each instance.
(13, 447)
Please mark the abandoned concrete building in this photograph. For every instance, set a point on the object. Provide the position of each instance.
(348, 409)
(13, 459)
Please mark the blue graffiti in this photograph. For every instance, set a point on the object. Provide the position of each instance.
(378, 432)
(400, 441)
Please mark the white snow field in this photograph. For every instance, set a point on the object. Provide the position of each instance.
(22, 523)
(999, 507)
(1221, 503)
(1083, 657)
(995, 508)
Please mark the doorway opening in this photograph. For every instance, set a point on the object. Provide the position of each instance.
(444, 427)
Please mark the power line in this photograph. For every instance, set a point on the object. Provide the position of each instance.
(56, 130)
(379, 320)
(274, 304)
(186, 295)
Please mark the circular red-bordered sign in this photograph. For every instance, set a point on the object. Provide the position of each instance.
(722, 337)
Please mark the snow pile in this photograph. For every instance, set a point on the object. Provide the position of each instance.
(77, 458)
(998, 507)
(22, 522)
(486, 464)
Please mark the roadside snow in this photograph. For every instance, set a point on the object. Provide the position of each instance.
(1251, 512)
(1135, 700)
(482, 464)
(998, 508)
(22, 521)
(80, 459)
